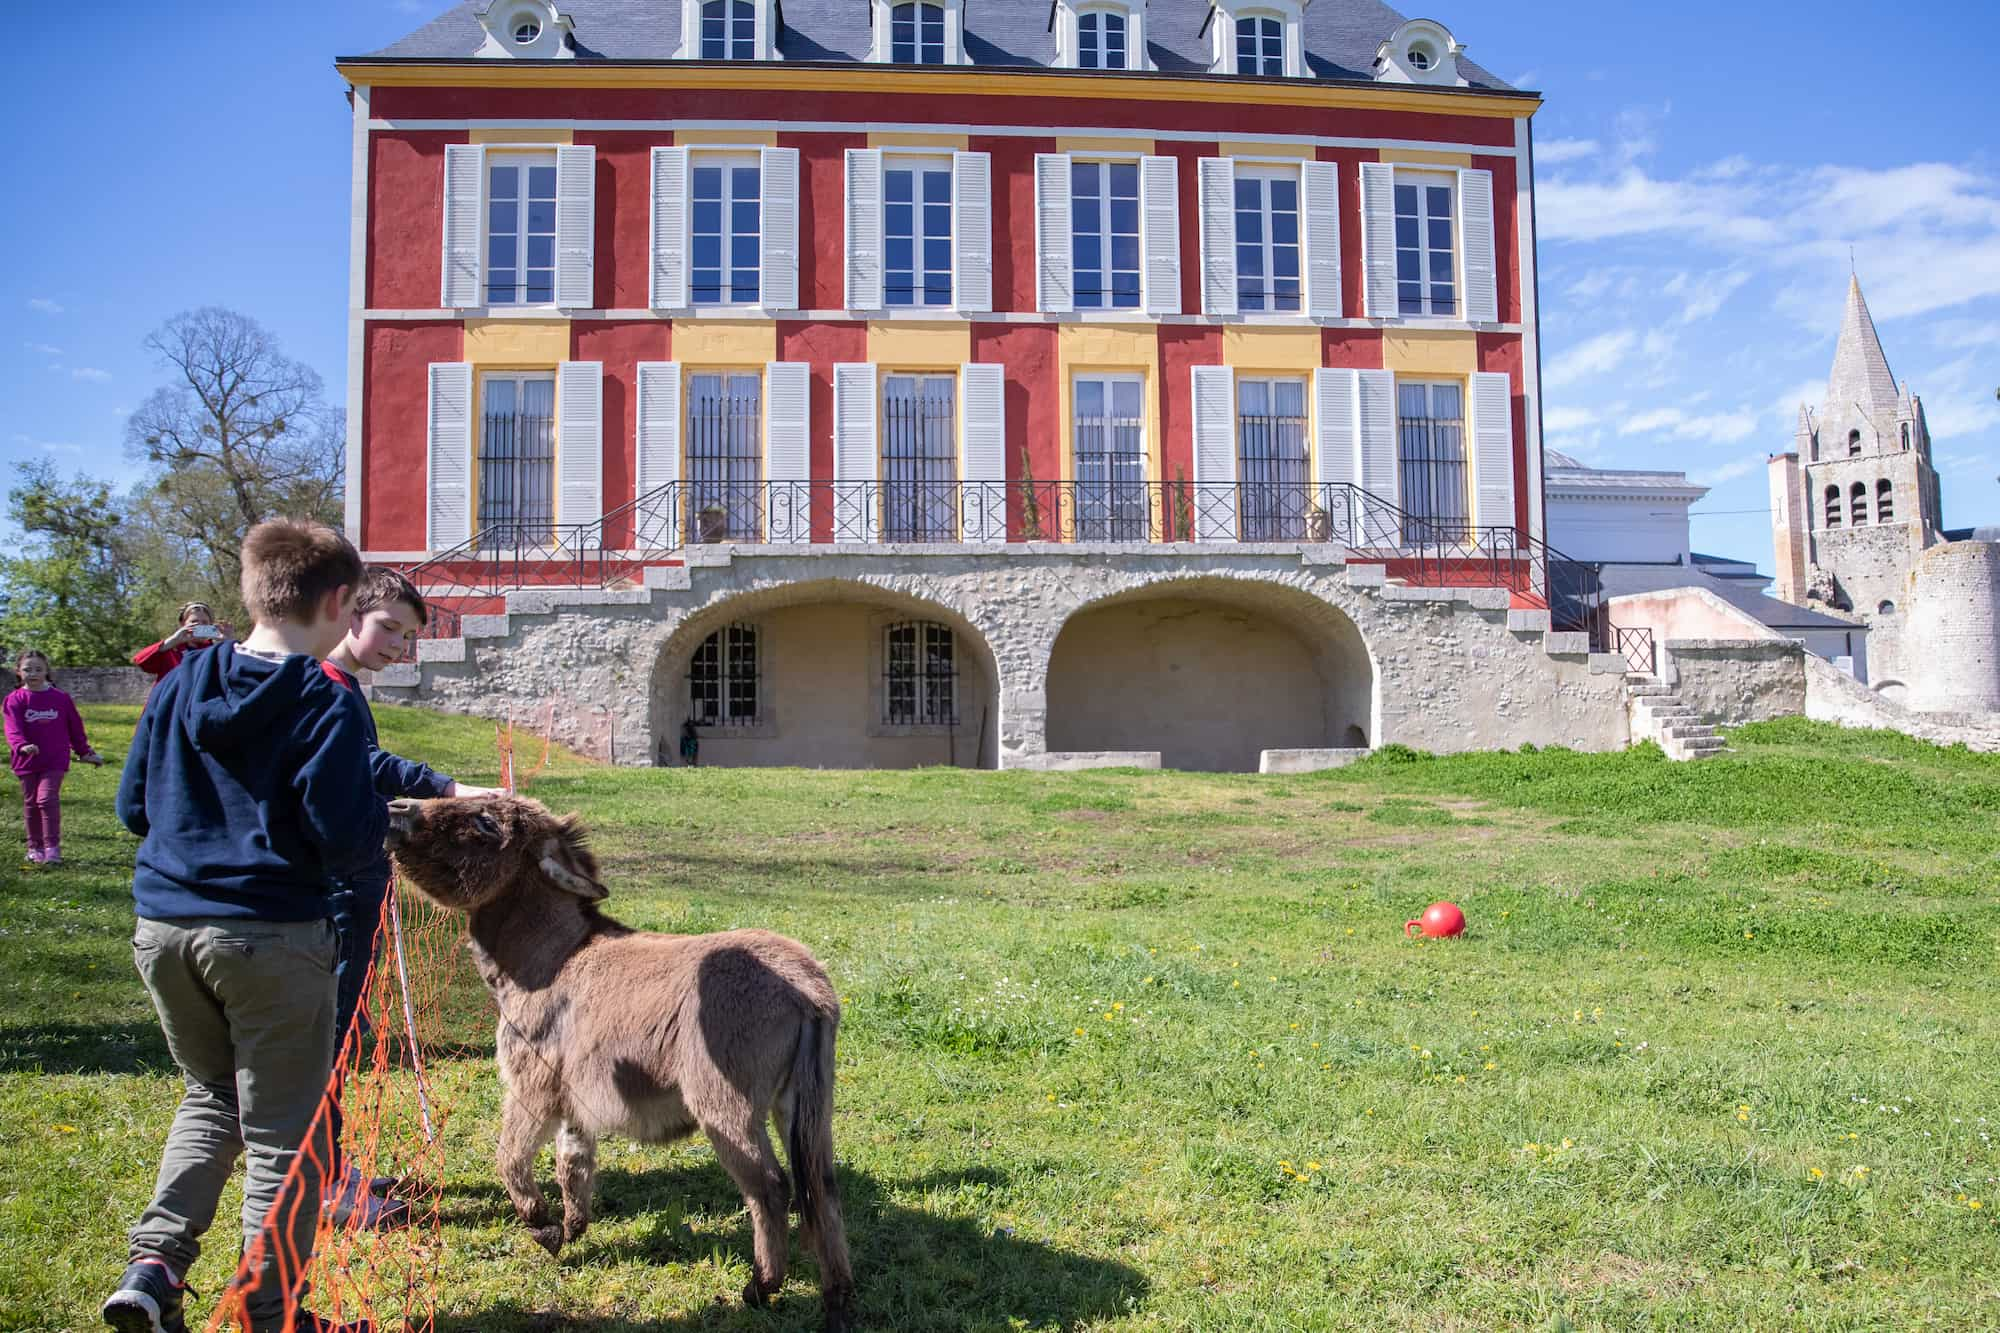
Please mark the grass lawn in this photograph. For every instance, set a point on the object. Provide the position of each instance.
(1149, 1051)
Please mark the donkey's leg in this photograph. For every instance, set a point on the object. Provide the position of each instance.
(745, 1152)
(525, 1125)
(576, 1174)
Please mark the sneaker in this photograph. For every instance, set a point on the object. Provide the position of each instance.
(148, 1300)
(355, 1206)
(34, 856)
(51, 858)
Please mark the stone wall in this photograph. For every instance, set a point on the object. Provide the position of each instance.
(1733, 681)
(1954, 629)
(93, 685)
(1832, 697)
(1453, 669)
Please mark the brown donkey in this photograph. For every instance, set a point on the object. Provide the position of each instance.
(608, 1030)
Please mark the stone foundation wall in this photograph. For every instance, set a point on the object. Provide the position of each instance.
(1831, 696)
(1452, 669)
(1733, 681)
(93, 685)
(1954, 629)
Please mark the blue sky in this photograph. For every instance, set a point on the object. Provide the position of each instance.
(1704, 170)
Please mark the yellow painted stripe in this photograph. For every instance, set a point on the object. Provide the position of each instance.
(895, 139)
(787, 77)
(895, 344)
(1424, 157)
(1448, 352)
(726, 138)
(725, 343)
(499, 138)
(1085, 143)
(1261, 148)
(1107, 349)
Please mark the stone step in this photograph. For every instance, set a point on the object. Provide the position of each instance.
(1647, 690)
(1688, 731)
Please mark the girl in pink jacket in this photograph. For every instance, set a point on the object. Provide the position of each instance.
(43, 728)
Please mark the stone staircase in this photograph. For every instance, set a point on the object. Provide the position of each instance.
(1658, 714)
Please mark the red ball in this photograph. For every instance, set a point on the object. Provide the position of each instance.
(1439, 921)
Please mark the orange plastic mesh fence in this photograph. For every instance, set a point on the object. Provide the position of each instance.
(398, 1082)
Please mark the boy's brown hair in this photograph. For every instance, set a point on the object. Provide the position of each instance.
(382, 586)
(290, 564)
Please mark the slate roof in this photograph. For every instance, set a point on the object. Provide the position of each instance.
(1565, 476)
(1625, 580)
(1341, 36)
(1860, 371)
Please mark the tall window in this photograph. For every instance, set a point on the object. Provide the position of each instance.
(521, 229)
(1426, 279)
(916, 231)
(1885, 502)
(1260, 46)
(1857, 504)
(517, 458)
(723, 679)
(920, 458)
(728, 30)
(1104, 212)
(724, 449)
(916, 34)
(1430, 455)
(1100, 40)
(1271, 459)
(919, 675)
(725, 230)
(1111, 504)
(1833, 506)
(1267, 238)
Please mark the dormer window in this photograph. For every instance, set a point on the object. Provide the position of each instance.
(524, 29)
(1257, 37)
(1420, 51)
(1260, 46)
(728, 30)
(1099, 34)
(916, 35)
(1100, 40)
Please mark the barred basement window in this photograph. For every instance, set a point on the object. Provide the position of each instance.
(919, 675)
(723, 679)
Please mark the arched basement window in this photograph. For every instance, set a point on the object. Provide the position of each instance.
(723, 679)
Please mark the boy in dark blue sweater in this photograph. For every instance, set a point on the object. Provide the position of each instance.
(248, 782)
(388, 613)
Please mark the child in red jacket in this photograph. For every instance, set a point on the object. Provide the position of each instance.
(43, 727)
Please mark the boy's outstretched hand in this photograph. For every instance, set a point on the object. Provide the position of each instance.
(461, 789)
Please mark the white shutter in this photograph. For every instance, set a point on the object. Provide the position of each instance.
(788, 451)
(1320, 230)
(449, 446)
(1214, 454)
(983, 432)
(1378, 240)
(864, 229)
(1336, 425)
(1475, 239)
(1375, 440)
(1160, 232)
(579, 442)
(1218, 235)
(856, 511)
(669, 287)
(576, 226)
(464, 225)
(1492, 450)
(1055, 276)
(779, 234)
(972, 231)
(658, 455)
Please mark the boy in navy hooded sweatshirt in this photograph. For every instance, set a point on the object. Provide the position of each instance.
(248, 781)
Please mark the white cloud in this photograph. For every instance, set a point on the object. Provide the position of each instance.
(91, 374)
(1742, 467)
(1558, 151)
(1709, 427)
(1593, 356)
(47, 446)
(1961, 333)
(1566, 419)
(1702, 295)
(43, 349)
(42, 305)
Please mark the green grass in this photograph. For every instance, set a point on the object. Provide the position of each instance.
(1149, 1051)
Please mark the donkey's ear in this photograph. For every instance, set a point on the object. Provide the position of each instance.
(569, 864)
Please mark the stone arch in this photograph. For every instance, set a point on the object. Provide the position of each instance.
(820, 671)
(1211, 671)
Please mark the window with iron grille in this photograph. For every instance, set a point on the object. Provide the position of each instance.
(723, 679)
(920, 675)
(1104, 234)
(1267, 238)
(1100, 40)
(517, 458)
(728, 30)
(521, 229)
(1426, 277)
(724, 455)
(1273, 479)
(725, 230)
(1260, 46)
(916, 232)
(1109, 438)
(916, 34)
(1430, 438)
(920, 458)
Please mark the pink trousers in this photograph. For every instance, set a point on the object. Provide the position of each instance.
(41, 804)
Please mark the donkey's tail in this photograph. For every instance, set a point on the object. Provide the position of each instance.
(809, 1144)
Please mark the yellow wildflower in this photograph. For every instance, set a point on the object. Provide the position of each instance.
(1491, 1065)
(1818, 1174)
(1974, 1204)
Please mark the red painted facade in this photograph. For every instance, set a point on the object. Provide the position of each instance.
(395, 421)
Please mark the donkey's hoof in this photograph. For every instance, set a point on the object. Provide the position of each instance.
(753, 1295)
(549, 1238)
(840, 1317)
(573, 1231)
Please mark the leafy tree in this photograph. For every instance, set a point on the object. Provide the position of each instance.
(241, 434)
(70, 592)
